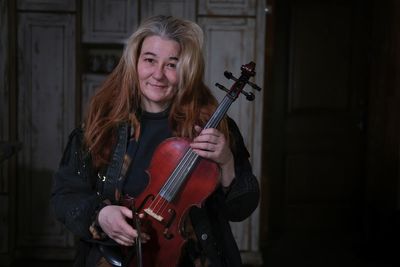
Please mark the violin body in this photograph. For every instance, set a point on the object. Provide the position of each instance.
(163, 217)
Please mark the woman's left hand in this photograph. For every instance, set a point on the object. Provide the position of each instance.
(212, 144)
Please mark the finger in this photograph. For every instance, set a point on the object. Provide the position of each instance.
(207, 131)
(124, 241)
(204, 153)
(207, 138)
(122, 238)
(197, 128)
(126, 212)
(211, 131)
(127, 230)
(204, 146)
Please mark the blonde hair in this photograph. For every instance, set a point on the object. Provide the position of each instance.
(118, 98)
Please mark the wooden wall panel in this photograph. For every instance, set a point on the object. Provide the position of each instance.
(324, 83)
(4, 224)
(178, 8)
(53, 5)
(4, 89)
(324, 140)
(46, 108)
(90, 82)
(228, 7)
(109, 21)
(4, 125)
(228, 44)
(383, 136)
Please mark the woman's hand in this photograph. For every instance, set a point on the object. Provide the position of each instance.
(112, 220)
(212, 144)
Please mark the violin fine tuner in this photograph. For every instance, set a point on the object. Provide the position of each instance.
(247, 72)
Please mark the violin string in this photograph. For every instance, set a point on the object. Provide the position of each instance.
(178, 176)
(164, 190)
(213, 122)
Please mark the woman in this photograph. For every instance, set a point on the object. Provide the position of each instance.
(155, 92)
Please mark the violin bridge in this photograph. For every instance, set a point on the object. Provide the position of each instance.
(154, 215)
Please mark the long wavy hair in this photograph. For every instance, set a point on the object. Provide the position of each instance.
(118, 99)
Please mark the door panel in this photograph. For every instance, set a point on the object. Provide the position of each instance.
(316, 104)
(46, 110)
(323, 152)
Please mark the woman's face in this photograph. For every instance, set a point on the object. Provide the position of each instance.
(157, 72)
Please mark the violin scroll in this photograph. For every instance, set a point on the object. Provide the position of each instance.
(248, 70)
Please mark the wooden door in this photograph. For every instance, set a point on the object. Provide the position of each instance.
(5, 226)
(46, 113)
(315, 132)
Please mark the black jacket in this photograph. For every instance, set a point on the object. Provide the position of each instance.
(78, 191)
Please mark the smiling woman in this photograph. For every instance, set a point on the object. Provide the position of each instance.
(156, 92)
(157, 72)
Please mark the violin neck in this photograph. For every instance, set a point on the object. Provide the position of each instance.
(220, 112)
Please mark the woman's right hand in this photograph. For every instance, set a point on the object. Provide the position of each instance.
(113, 221)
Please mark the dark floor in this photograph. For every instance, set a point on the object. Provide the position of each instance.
(42, 264)
(329, 250)
(320, 250)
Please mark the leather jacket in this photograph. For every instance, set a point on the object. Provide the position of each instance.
(79, 191)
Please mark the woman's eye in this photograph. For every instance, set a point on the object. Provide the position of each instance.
(149, 60)
(172, 65)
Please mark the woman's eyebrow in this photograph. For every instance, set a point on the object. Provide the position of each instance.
(154, 55)
(149, 54)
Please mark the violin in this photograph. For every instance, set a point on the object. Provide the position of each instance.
(178, 180)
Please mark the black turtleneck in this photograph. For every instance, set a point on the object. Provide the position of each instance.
(154, 130)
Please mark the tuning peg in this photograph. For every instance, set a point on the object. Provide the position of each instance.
(229, 75)
(223, 88)
(249, 95)
(255, 86)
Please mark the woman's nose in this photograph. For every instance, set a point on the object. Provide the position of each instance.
(158, 72)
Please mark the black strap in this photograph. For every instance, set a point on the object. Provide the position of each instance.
(114, 170)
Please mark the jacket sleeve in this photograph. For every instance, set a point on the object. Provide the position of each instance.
(73, 198)
(243, 195)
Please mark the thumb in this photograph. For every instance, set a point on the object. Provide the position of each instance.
(126, 212)
(197, 128)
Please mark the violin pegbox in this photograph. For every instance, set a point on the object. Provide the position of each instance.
(247, 71)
